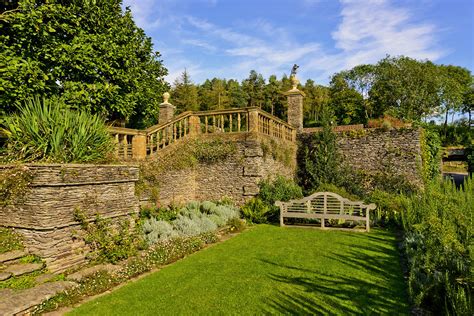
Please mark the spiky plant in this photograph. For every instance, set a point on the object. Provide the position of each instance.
(48, 130)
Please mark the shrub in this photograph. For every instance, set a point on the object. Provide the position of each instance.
(255, 211)
(109, 243)
(438, 244)
(470, 158)
(281, 189)
(156, 230)
(47, 130)
(386, 122)
(236, 224)
(319, 161)
(159, 213)
(328, 187)
(193, 226)
(192, 220)
(389, 208)
(430, 153)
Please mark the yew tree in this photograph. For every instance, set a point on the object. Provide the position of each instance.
(90, 52)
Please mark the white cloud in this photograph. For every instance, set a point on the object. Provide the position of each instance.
(373, 28)
(199, 43)
(367, 31)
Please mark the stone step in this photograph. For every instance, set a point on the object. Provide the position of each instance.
(16, 302)
(5, 275)
(12, 255)
(23, 268)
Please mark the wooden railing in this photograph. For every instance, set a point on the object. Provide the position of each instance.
(138, 144)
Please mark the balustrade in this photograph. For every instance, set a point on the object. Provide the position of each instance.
(140, 144)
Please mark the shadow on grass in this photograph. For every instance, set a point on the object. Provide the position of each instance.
(379, 289)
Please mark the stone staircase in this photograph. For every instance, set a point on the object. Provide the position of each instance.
(10, 265)
(19, 302)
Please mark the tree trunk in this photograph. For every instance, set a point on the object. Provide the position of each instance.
(446, 123)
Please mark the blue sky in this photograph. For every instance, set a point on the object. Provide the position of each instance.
(228, 38)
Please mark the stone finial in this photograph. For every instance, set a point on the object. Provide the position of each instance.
(166, 113)
(294, 82)
(166, 97)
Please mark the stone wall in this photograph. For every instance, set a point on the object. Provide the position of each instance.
(237, 176)
(45, 214)
(397, 151)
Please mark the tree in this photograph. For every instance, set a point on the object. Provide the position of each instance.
(347, 103)
(273, 94)
(405, 87)
(237, 96)
(361, 78)
(454, 85)
(254, 87)
(89, 52)
(213, 95)
(316, 100)
(184, 94)
(468, 102)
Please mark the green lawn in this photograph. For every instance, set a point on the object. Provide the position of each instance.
(270, 269)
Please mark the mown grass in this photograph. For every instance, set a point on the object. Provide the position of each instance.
(270, 269)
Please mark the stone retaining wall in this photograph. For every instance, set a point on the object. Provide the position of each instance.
(236, 176)
(396, 151)
(45, 214)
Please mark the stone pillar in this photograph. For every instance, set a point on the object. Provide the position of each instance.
(253, 121)
(166, 113)
(139, 146)
(295, 105)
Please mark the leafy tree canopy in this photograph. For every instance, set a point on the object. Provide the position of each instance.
(90, 52)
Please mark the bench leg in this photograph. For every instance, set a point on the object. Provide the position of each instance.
(367, 222)
(282, 223)
(322, 222)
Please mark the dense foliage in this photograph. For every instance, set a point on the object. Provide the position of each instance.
(319, 161)
(109, 242)
(191, 220)
(431, 153)
(48, 130)
(438, 244)
(402, 87)
(89, 52)
(262, 208)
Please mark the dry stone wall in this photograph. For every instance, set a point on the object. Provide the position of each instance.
(45, 214)
(397, 151)
(236, 176)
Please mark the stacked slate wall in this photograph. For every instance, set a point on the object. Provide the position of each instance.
(45, 214)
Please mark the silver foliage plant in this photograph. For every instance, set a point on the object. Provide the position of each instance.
(193, 219)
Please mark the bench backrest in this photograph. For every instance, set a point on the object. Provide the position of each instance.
(326, 203)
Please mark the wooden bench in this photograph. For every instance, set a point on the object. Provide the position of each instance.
(326, 205)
